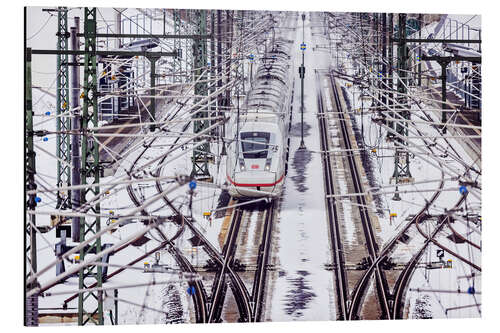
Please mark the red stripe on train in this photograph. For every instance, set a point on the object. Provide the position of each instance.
(255, 185)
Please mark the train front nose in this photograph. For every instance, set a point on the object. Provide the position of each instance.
(254, 173)
(253, 183)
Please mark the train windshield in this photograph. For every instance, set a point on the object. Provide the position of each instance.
(255, 144)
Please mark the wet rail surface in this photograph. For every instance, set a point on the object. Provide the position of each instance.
(341, 285)
(219, 286)
(361, 287)
(396, 299)
(371, 242)
(260, 277)
(249, 306)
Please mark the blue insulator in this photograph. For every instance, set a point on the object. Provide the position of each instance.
(38, 199)
(191, 290)
(471, 290)
(45, 139)
(47, 113)
(463, 189)
(192, 184)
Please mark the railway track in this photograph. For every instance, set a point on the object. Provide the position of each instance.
(392, 310)
(250, 307)
(262, 264)
(396, 311)
(240, 292)
(371, 242)
(338, 260)
(219, 286)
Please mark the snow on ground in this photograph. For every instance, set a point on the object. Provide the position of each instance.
(421, 304)
(303, 289)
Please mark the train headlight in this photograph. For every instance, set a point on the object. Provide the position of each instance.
(242, 164)
(268, 164)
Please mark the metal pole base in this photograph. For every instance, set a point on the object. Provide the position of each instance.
(396, 197)
(223, 152)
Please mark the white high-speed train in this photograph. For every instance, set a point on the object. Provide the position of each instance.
(258, 154)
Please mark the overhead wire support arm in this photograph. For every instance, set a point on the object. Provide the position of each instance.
(174, 36)
(108, 53)
(429, 40)
(450, 58)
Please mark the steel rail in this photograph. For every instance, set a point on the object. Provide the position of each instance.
(262, 263)
(381, 280)
(238, 286)
(341, 284)
(240, 291)
(220, 286)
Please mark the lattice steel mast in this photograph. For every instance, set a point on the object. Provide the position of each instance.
(30, 262)
(201, 154)
(63, 123)
(401, 172)
(90, 308)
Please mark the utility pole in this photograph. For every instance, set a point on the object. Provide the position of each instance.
(201, 154)
(302, 72)
(90, 302)
(384, 56)
(62, 105)
(240, 70)
(75, 126)
(443, 65)
(390, 75)
(401, 172)
(213, 107)
(219, 73)
(420, 24)
(118, 27)
(188, 29)
(152, 85)
(177, 63)
(30, 201)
